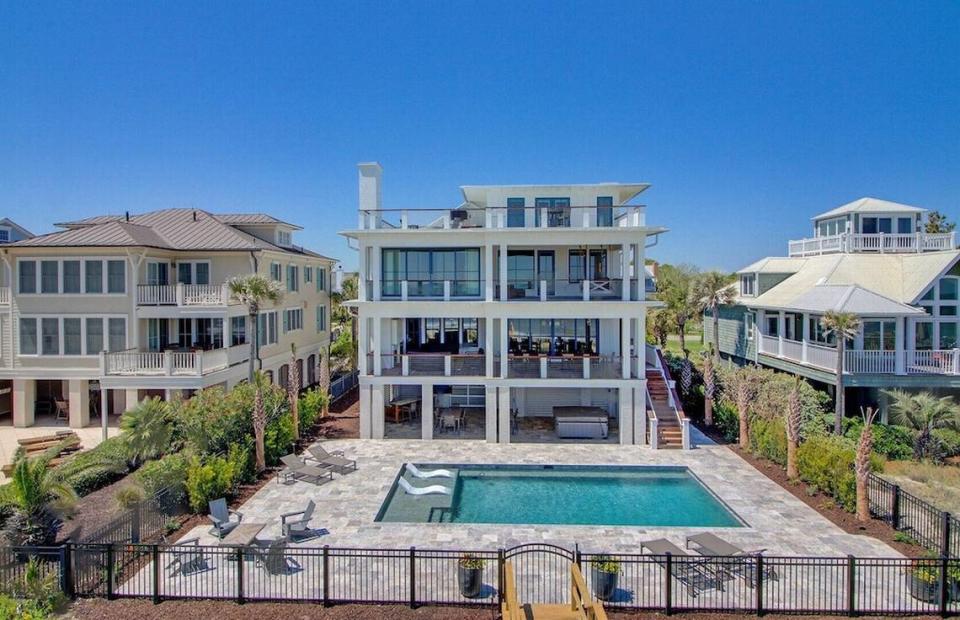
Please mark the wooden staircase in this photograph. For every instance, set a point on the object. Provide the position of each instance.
(668, 426)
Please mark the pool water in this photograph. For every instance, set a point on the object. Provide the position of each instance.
(562, 495)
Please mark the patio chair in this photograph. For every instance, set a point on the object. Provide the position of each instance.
(220, 515)
(695, 574)
(434, 489)
(187, 558)
(298, 470)
(708, 544)
(416, 472)
(274, 559)
(333, 460)
(62, 409)
(296, 525)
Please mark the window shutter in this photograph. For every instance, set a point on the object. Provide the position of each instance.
(323, 318)
(286, 321)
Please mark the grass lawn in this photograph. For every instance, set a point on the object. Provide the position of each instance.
(937, 484)
(694, 342)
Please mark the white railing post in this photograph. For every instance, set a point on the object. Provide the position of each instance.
(671, 386)
(685, 429)
(446, 290)
(543, 290)
(543, 367)
(586, 218)
(586, 289)
(447, 365)
(404, 290)
(803, 352)
(405, 365)
(198, 362)
(167, 363)
(586, 367)
(403, 218)
(654, 433)
(179, 293)
(956, 361)
(103, 363)
(487, 218)
(543, 217)
(446, 220)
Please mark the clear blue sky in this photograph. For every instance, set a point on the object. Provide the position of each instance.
(747, 117)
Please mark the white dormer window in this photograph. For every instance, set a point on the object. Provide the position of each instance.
(284, 238)
(748, 284)
(4, 234)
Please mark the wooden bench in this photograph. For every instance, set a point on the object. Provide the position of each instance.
(68, 441)
(581, 606)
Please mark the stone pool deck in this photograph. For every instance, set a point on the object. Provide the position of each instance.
(346, 508)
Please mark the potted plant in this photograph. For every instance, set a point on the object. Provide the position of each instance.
(923, 579)
(604, 572)
(470, 575)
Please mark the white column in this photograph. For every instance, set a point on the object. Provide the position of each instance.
(24, 402)
(638, 360)
(625, 271)
(639, 413)
(781, 327)
(363, 346)
(806, 335)
(377, 357)
(503, 407)
(503, 272)
(363, 273)
(366, 425)
(504, 348)
(639, 271)
(377, 410)
(625, 347)
(490, 421)
(104, 413)
(375, 265)
(426, 411)
(488, 346)
(900, 362)
(79, 403)
(131, 398)
(488, 270)
(625, 400)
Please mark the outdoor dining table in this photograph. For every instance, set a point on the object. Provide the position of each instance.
(397, 406)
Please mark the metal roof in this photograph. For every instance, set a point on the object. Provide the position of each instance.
(870, 205)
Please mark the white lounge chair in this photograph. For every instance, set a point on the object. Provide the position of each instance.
(434, 489)
(416, 472)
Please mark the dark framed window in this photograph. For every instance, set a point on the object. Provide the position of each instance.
(605, 211)
(27, 276)
(516, 212)
(425, 271)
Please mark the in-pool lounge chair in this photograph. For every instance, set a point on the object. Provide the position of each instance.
(434, 489)
(712, 545)
(416, 472)
(298, 470)
(334, 460)
(220, 515)
(692, 572)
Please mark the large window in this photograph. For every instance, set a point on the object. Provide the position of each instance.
(292, 319)
(93, 276)
(879, 335)
(238, 330)
(521, 271)
(72, 336)
(587, 266)
(553, 336)
(94, 335)
(321, 318)
(557, 212)
(71, 276)
(874, 225)
(58, 336)
(293, 278)
(193, 272)
(27, 276)
(49, 277)
(515, 212)
(924, 338)
(117, 334)
(605, 211)
(748, 284)
(819, 335)
(116, 276)
(267, 328)
(276, 272)
(28, 336)
(426, 270)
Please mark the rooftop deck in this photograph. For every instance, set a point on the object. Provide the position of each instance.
(880, 243)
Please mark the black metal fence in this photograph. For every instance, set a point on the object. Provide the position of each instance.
(144, 521)
(415, 577)
(343, 384)
(929, 526)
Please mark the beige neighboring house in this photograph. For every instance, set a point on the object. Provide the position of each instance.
(112, 309)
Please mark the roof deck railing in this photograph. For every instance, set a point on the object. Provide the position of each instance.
(879, 243)
(622, 216)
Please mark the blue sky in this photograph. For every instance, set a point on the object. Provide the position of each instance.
(747, 117)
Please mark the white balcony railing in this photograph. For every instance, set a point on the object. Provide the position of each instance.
(4, 295)
(882, 243)
(183, 295)
(171, 363)
(631, 216)
(908, 362)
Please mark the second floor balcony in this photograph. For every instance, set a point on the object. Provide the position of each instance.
(537, 217)
(879, 243)
(518, 366)
(204, 295)
(172, 363)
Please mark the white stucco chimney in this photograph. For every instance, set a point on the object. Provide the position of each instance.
(370, 175)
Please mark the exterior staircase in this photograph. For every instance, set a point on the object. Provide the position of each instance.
(668, 425)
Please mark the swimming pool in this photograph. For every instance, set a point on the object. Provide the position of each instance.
(662, 496)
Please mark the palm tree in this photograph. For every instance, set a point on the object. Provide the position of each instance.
(742, 384)
(293, 391)
(147, 429)
(709, 385)
(925, 413)
(711, 291)
(794, 413)
(686, 375)
(252, 291)
(37, 495)
(861, 464)
(259, 416)
(843, 326)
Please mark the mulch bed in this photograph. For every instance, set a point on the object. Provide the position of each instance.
(91, 512)
(820, 502)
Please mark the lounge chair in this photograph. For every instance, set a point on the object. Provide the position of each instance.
(296, 525)
(220, 515)
(694, 573)
(416, 472)
(712, 545)
(274, 559)
(434, 489)
(298, 470)
(334, 459)
(187, 557)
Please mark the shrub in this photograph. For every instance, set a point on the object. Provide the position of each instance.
(890, 441)
(128, 495)
(208, 480)
(94, 469)
(278, 439)
(726, 420)
(826, 463)
(948, 441)
(148, 429)
(169, 472)
(768, 439)
(311, 405)
(241, 456)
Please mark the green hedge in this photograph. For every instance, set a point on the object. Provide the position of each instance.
(169, 472)
(726, 420)
(826, 464)
(891, 441)
(94, 469)
(768, 439)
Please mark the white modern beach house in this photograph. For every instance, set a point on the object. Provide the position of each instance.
(517, 314)
(872, 258)
(114, 308)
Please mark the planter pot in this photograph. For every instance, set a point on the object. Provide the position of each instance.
(471, 581)
(604, 584)
(924, 591)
